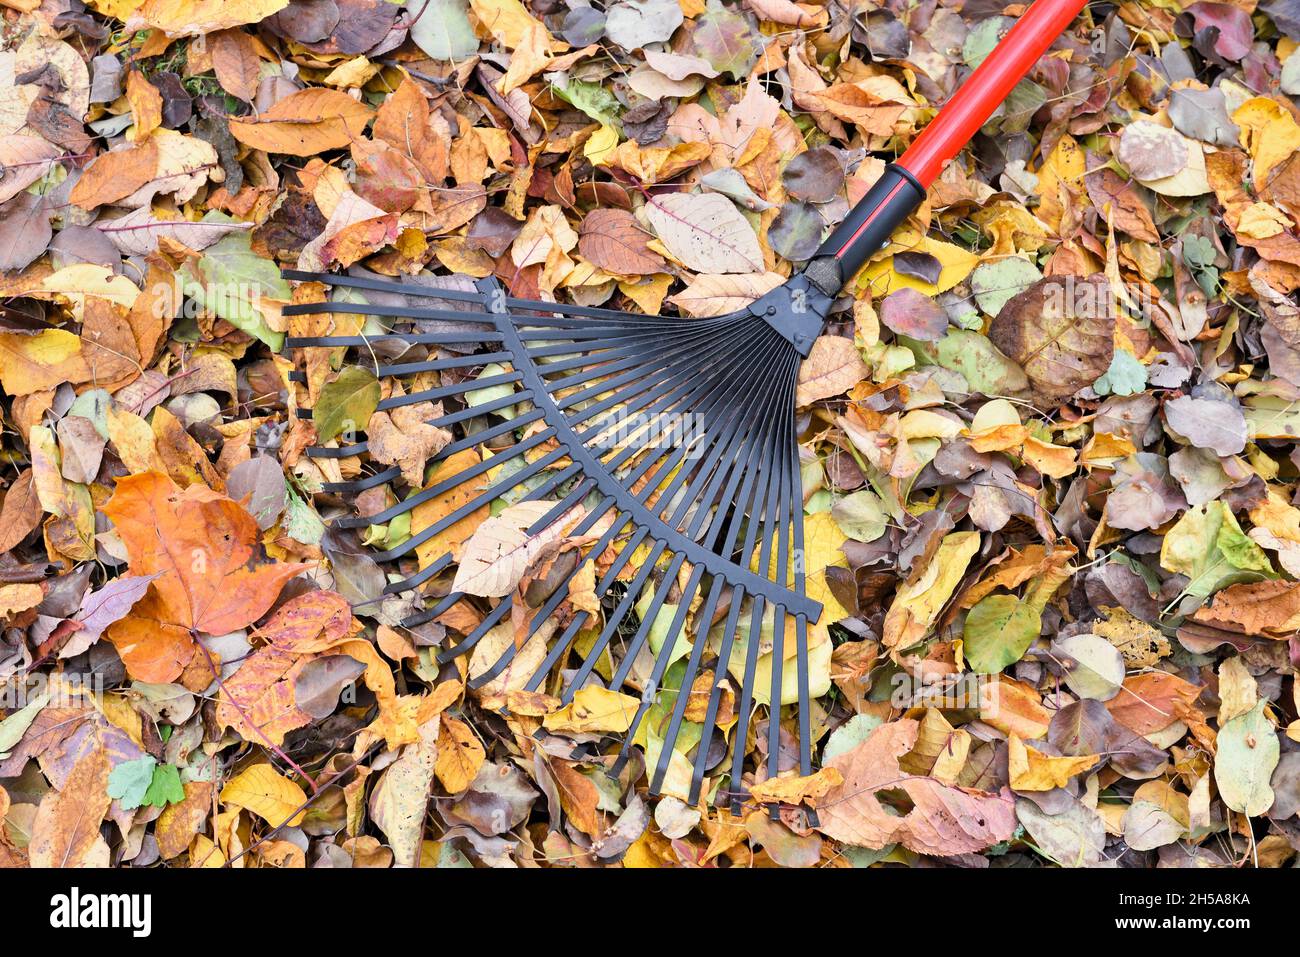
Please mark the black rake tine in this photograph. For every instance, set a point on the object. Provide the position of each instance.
(446, 452)
(744, 497)
(473, 471)
(732, 473)
(757, 502)
(770, 528)
(452, 295)
(557, 650)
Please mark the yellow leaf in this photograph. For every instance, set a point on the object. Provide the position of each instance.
(507, 20)
(956, 264)
(1269, 132)
(1058, 461)
(146, 105)
(460, 756)
(1060, 173)
(600, 145)
(594, 709)
(193, 18)
(918, 603)
(268, 794)
(34, 363)
(1034, 771)
(797, 790)
(86, 279)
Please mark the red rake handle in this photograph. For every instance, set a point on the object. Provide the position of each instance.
(893, 198)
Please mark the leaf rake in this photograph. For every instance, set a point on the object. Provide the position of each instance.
(717, 511)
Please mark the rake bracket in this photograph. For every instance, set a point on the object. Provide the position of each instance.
(797, 310)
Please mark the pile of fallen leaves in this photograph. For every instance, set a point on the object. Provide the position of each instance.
(1048, 437)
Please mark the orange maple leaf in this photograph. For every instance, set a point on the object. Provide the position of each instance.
(202, 546)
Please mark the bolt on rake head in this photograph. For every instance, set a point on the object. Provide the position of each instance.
(701, 532)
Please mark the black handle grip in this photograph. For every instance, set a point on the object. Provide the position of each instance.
(866, 229)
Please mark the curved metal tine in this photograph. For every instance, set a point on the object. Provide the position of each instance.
(753, 452)
(533, 328)
(486, 496)
(737, 469)
(612, 349)
(429, 365)
(446, 452)
(411, 313)
(770, 529)
(706, 525)
(645, 366)
(453, 295)
(621, 558)
(413, 338)
(449, 483)
(388, 474)
(447, 391)
(438, 365)
(783, 544)
(559, 344)
(763, 486)
(419, 578)
(801, 630)
(612, 623)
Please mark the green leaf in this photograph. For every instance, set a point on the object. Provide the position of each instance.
(724, 38)
(442, 30)
(998, 632)
(493, 392)
(591, 98)
(1248, 753)
(230, 280)
(302, 524)
(986, 369)
(129, 781)
(861, 516)
(165, 786)
(1126, 376)
(346, 404)
(1208, 546)
(15, 725)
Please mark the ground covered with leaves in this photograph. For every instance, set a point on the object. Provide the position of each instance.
(1048, 436)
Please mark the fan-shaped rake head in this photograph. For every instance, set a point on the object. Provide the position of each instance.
(665, 447)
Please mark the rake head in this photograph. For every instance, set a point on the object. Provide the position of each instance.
(673, 439)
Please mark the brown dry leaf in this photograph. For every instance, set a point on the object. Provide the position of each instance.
(404, 437)
(612, 240)
(235, 60)
(943, 820)
(499, 552)
(66, 830)
(305, 123)
(832, 368)
(1266, 609)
